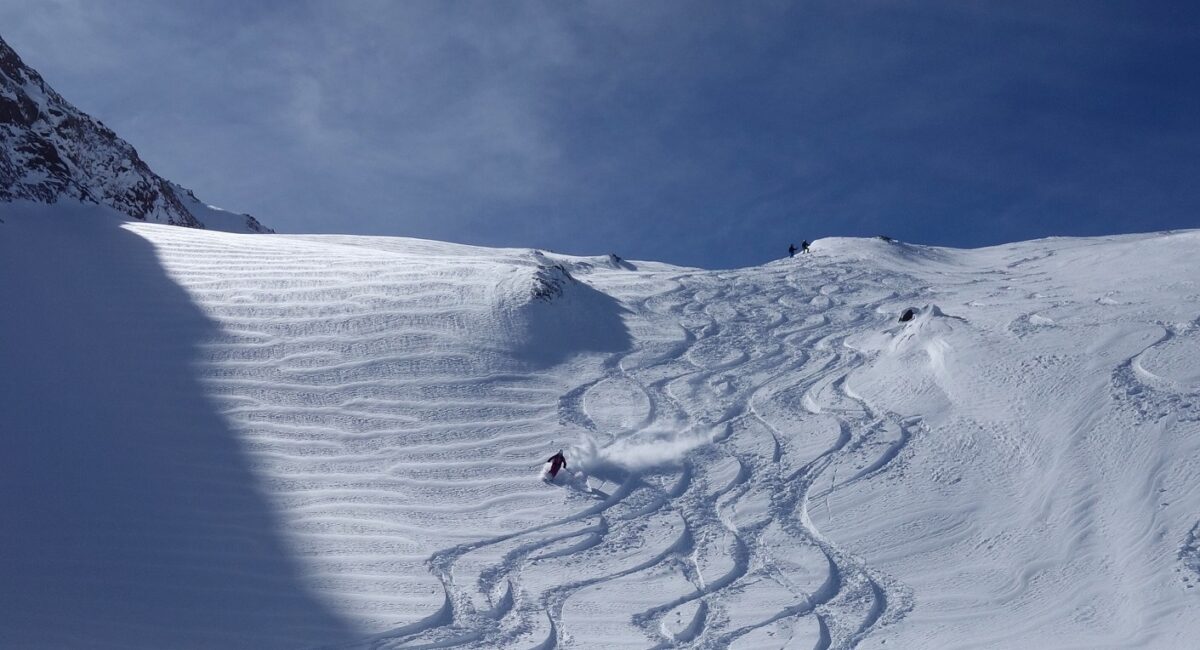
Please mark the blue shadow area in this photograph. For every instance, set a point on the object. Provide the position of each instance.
(130, 515)
(581, 320)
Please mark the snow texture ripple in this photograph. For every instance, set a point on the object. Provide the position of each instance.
(759, 458)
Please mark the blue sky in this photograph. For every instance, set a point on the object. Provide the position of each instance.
(703, 133)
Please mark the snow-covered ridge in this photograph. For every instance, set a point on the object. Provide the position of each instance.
(221, 440)
(51, 151)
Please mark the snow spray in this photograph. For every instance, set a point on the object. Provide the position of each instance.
(656, 446)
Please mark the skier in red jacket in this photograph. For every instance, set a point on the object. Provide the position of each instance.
(557, 462)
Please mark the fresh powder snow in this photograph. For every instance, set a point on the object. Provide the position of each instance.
(240, 441)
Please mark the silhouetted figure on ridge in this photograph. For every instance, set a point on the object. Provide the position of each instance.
(791, 250)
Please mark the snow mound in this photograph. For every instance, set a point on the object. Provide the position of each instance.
(547, 315)
(895, 255)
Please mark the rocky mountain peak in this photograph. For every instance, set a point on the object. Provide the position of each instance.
(51, 150)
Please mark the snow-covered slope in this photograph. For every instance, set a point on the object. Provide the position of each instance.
(51, 151)
(232, 441)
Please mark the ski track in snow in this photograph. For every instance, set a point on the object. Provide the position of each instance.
(760, 473)
(380, 437)
(704, 513)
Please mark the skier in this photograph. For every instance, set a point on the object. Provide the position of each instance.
(804, 246)
(791, 250)
(557, 462)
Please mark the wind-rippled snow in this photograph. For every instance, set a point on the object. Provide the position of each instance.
(760, 457)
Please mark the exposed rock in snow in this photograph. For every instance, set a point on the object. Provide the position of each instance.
(549, 282)
(51, 151)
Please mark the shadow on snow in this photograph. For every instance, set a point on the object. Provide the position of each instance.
(131, 517)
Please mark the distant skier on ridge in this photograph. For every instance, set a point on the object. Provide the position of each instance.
(557, 461)
(791, 250)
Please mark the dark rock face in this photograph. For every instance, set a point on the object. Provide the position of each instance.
(549, 281)
(50, 150)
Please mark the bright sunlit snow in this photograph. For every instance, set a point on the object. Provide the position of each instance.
(221, 440)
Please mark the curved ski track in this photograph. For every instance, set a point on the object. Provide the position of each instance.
(380, 435)
(492, 606)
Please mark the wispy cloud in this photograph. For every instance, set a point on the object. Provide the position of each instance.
(705, 133)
